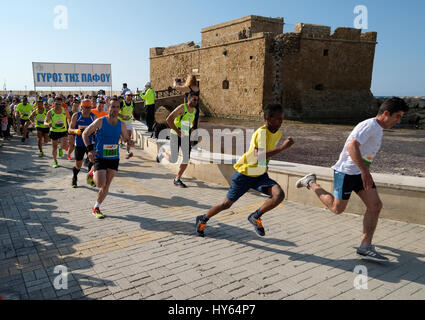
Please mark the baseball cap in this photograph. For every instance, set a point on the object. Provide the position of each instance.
(148, 84)
(128, 93)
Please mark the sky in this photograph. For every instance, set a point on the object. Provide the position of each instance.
(121, 33)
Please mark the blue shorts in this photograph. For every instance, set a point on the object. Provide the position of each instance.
(345, 184)
(242, 183)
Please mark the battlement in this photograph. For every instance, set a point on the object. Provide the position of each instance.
(313, 31)
(182, 47)
(241, 28)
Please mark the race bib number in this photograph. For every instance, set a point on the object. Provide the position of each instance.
(24, 114)
(59, 124)
(40, 122)
(82, 128)
(110, 150)
(185, 127)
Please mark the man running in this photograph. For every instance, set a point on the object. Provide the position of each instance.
(24, 110)
(79, 122)
(351, 173)
(39, 115)
(180, 121)
(127, 116)
(99, 111)
(75, 108)
(252, 171)
(57, 119)
(105, 152)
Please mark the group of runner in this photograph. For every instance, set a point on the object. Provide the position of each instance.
(98, 133)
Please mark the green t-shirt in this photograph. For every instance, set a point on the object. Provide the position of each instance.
(24, 110)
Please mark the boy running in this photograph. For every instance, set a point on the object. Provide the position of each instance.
(252, 171)
(351, 173)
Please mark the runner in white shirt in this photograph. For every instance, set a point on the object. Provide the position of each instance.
(351, 172)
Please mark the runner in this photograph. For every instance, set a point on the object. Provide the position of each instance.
(127, 116)
(180, 122)
(24, 110)
(105, 152)
(39, 114)
(252, 171)
(99, 111)
(79, 122)
(351, 173)
(57, 119)
(75, 108)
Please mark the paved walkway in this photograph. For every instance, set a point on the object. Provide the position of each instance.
(146, 247)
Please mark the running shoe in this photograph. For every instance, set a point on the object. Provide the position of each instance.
(74, 183)
(305, 182)
(60, 152)
(90, 181)
(69, 157)
(55, 164)
(129, 155)
(179, 183)
(258, 225)
(41, 154)
(96, 212)
(369, 253)
(200, 225)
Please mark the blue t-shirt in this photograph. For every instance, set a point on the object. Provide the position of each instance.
(82, 124)
(107, 139)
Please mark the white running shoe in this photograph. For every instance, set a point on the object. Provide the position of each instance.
(305, 182)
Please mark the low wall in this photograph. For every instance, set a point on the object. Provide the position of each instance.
(403, 197)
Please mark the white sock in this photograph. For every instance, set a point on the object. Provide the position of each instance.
(97, 205)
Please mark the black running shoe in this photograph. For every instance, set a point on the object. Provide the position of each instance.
(369, 253)
(258, 225)
(179, 183)
(200, 225)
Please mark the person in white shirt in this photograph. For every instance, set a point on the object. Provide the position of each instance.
(351, 172)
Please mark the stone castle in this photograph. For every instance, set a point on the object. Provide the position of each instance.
(247, 63)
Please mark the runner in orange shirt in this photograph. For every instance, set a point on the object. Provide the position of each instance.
(99, 111)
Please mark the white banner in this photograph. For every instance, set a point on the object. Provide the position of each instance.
(71, 75)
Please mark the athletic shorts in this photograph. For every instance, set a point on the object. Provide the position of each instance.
(103, 164)
(129, 126)
(242, 183)
(176, 145)
(23, 122)
(57, 135)
(80, 152)
(43, 130)
(345, 184)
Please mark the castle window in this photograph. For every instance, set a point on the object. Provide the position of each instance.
(326, 52)
(319, 87)
(226, 84)
(251, 57)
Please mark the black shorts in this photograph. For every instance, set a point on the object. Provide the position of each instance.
(103, 164)
(23, 122)
(345, 184)
(43, 130)
(80, 152)
(176, 144)
(57, 135)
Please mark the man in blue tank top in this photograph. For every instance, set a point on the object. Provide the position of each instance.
(79, 122)
(105, 151)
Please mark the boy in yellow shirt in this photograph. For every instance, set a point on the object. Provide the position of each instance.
(252, 171)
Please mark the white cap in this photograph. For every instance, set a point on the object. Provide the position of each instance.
(148, 84)
(128, 93)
